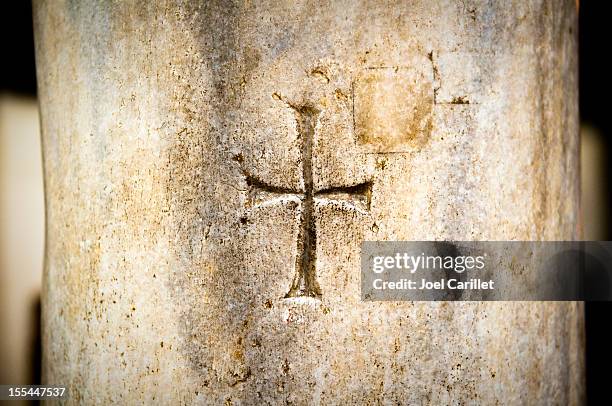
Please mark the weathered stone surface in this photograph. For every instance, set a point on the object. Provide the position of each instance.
(211, 169)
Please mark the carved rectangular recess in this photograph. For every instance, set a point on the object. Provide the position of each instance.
(392, 107)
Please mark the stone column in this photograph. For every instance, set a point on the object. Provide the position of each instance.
(212, 167)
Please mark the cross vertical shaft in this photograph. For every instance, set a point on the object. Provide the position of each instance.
(305, 283)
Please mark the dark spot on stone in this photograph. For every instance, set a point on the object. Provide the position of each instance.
(241, 377)
(448, 249)
(320, 74)
(460, 100)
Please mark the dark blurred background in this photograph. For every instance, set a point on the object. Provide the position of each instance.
(595, 116)
(21, 200)
(22, 213)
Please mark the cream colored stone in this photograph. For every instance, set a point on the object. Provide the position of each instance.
(190, 148)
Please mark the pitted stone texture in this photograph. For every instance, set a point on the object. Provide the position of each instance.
(166, 282)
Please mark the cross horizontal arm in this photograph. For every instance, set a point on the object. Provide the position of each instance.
(260, 192)
(358, 196)
(256, 183)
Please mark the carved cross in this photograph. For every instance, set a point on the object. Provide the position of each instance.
(353, 197)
